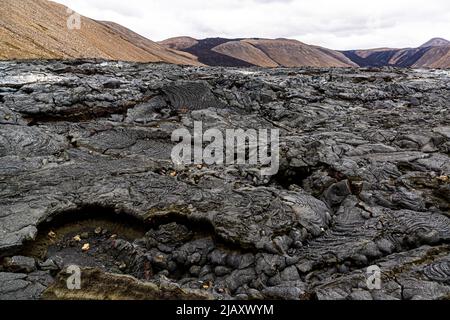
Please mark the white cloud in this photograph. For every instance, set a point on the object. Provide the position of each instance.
(346, 24)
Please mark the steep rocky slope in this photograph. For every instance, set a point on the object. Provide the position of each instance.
(38, 29)
(86, 178)
(435, 57)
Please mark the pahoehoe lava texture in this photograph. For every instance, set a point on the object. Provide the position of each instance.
(363, 180)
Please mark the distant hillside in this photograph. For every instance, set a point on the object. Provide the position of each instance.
(179, 43)
(258, 52)
(435, 53)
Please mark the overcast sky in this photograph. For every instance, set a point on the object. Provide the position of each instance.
(343, 24)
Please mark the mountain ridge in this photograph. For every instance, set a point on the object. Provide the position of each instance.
(259, 52)
(282, 52)
(435, 53)
(436, 42)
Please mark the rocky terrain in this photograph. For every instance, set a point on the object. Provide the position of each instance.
(38, 29)
(86, 178)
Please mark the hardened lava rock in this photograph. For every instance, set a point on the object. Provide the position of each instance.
(86, 179)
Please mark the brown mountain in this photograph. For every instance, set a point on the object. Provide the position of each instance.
(292, 53)
(32, 29)
(435, 53)
(435, 57)
(436, 42)
(259, 52)
(179, 43)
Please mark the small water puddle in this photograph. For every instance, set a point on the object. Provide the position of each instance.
(84, 238)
